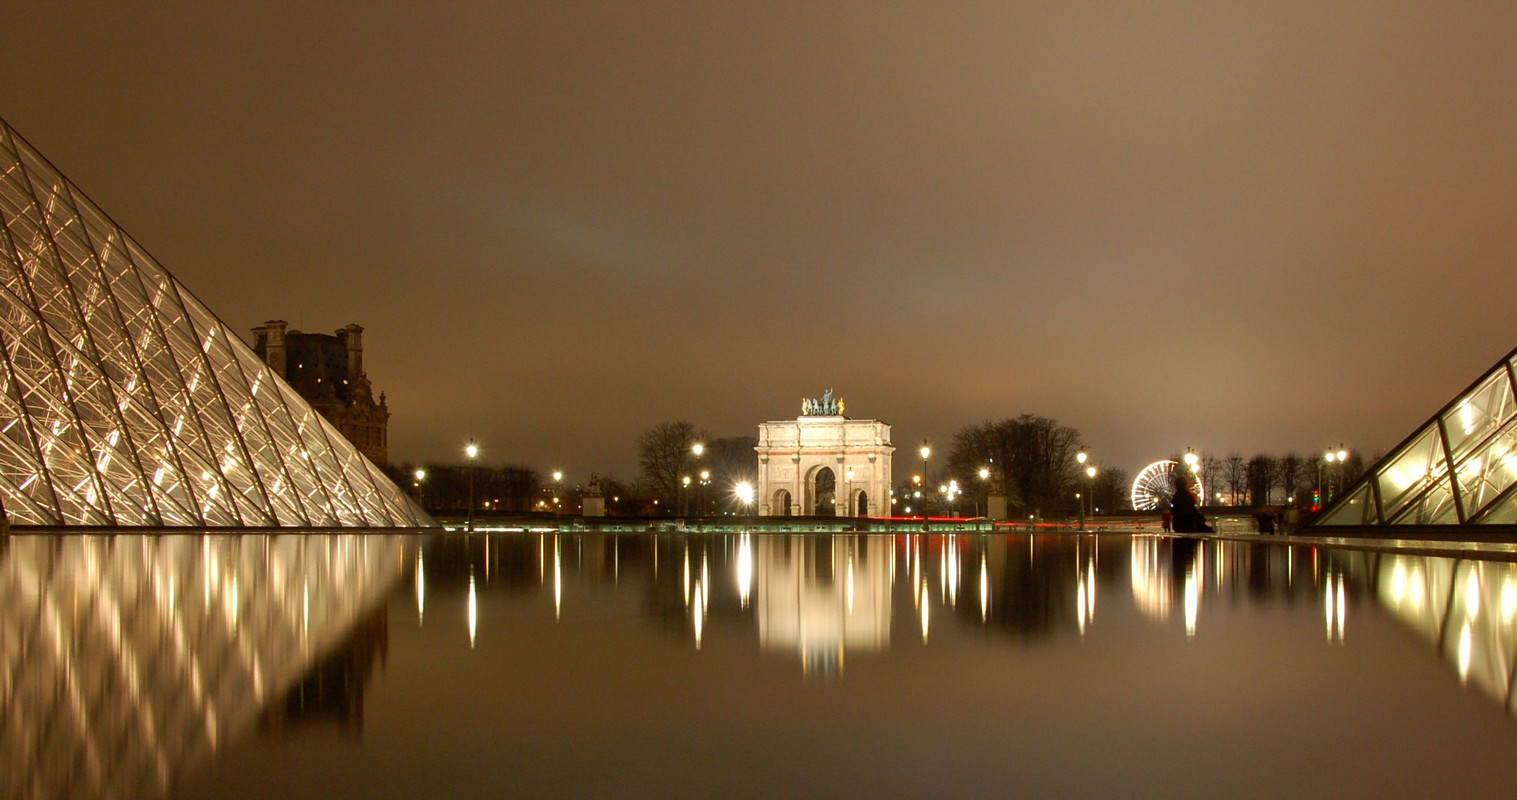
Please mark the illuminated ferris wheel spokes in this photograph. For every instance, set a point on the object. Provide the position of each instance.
(1155, 485)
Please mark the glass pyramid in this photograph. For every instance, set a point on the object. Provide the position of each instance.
(1460, 468)
(125, 402)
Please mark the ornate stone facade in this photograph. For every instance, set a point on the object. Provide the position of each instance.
(824, 464)
(328, 372)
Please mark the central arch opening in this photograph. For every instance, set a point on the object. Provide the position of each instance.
(825, 492)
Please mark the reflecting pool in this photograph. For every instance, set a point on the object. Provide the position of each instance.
(666, 665)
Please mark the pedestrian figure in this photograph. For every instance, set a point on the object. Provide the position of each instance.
(1166, 518)
(1187, 517)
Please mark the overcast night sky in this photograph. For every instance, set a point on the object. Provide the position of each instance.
(1235, 227)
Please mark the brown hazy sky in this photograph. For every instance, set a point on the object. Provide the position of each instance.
(1237, 227)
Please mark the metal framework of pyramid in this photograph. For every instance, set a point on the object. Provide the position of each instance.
(125, 402)
(1460, 468)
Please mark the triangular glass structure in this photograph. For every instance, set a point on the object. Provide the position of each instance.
(125, 402)
(1459, 468)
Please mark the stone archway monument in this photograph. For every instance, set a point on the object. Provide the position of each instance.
(823, 463)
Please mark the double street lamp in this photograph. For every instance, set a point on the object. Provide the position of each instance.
(1331, 457)
(1087, 474)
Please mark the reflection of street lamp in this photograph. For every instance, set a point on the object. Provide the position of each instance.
(471, 451)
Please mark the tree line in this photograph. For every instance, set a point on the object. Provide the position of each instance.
(1268, 480)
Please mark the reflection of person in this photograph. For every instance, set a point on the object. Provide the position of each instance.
(1187, 517)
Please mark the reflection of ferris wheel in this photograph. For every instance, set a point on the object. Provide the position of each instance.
(1155, 485)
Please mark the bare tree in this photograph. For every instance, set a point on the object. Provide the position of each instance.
(1031, 457)
(664, 454)
(1289, 476)
(1211, 475)
(1237, 476)
(1112, 490)
(1261, 471)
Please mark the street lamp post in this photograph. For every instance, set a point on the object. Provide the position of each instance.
(1080, 457)
(1342, 459)
(697, 450)
(1090, 474)
(705, 481)
(684, 497)
(1193, 461)
(926, 451)
(984, 477)
(471, 451)
(420, 476)
(1327, 491)
(849, 489)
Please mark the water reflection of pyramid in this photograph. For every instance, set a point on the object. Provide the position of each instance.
(130, 663)
(1460, 468)
(126, 402)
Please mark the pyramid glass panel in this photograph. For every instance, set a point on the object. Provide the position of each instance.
(1486, 473)
(1502, 512)
(1435, 506)
(125, 402)
(1479, 414)
(1408, 472)
(1356, 509)
(1476, 433)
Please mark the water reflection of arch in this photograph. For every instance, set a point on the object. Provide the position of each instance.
(131, 660)
(822, 596)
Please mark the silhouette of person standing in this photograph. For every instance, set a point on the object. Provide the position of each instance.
(1187, 516)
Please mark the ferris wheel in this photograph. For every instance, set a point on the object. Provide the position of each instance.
(1155, 485)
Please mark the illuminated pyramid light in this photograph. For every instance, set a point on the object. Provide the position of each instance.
(1458, 469)
(125, 402)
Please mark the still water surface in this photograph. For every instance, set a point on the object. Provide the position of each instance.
(749, 666)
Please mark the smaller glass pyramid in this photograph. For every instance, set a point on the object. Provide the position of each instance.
(1460, 468)
(125, 402)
